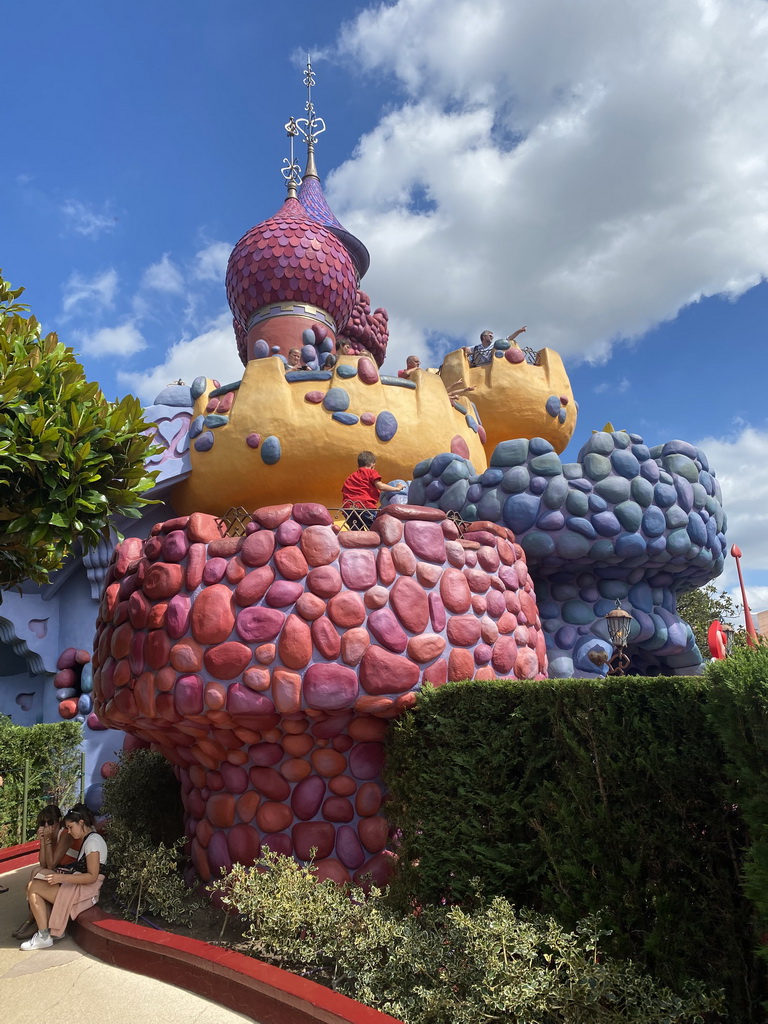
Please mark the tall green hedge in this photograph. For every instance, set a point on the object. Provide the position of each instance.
(53, 752)
(738, 702)
(579, 796)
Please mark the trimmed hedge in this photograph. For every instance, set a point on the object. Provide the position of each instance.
(574, 797)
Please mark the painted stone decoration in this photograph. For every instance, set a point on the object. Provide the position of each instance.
(624, 522)
(266, 667)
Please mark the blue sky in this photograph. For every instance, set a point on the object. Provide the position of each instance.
(593, 172)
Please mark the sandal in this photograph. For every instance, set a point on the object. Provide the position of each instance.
(26, 930)
(3, 888)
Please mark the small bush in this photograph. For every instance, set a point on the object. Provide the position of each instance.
(443, 965)
(144, 796)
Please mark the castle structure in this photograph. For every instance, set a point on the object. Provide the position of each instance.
(263, 646)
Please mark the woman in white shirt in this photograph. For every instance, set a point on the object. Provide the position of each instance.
(56, 896)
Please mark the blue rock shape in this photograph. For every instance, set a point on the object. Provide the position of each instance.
(520, 512)
(260, 349)
(308, 337)
(596, 466)
(215, 419)
(196, 426)
(517, 479)
(547, 465)
(336, 400)
(510, 453)
(270, 450)
(204, 443)
(177, 395)
(346, 371)
(386, 426)
(305, 376)
(198, 387)
(552, 405)
(345, 417)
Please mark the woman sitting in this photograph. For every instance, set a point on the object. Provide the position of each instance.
(56, 896)
(54, 840)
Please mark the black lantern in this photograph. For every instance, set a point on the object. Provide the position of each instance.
(619, 623)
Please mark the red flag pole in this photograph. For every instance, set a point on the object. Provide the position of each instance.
(751, 631)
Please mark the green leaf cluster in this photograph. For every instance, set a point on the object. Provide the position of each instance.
(69, 459)
(703, 606)
(738, 709)
(53, 752)
(577, 797)
(144, 796)
(443, 965)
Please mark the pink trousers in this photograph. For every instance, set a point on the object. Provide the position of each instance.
(70, 901)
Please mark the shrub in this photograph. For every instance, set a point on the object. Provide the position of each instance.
(53, 752)
(442, 965)
(144, 796)
(578, 797)
(739, 713)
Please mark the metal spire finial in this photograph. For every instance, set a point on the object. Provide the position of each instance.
(291, 170)
(310, 126)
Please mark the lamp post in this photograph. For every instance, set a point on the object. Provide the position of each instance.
(619, 623)
(751, 631)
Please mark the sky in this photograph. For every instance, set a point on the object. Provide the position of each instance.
(595, 171)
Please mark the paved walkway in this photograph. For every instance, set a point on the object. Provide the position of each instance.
(65, 982)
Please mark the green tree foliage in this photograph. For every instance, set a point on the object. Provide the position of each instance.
(576, 797)
(703, 606)
(443, 965)
(739, 712)
(69, 459)
(53, 752)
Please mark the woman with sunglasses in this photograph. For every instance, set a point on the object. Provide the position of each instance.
(56, 896)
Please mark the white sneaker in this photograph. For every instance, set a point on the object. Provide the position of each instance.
(37, 942)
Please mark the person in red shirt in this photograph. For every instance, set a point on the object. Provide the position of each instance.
(361, 491)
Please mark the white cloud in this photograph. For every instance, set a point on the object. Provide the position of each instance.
(213, 353)
(87, 220)
(615, 388)
(98, 291)
(211, 262)
(123, 340)
(163, 276)
(741, 465)
(587, 170)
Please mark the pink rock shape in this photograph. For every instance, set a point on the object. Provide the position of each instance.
(235, 777)
(368, 799)
(319, 545)
(348, 847)
(265, 754)
(227, 660)
(283, 593)
(376, 597)
(272, 516)
(512, 602)
(221, 810)
(454, 590)
(177, 615)
(315, 397)
(504, 655)
(387, 630)
(366, 370)
(310, 513)
(310, 607)
(403, 559)
(214, 570)
(307, 797)
(382, 672)
(436, 612)
(244, 845)
(175, 546)
(488, 630)
(427, 574)
(389, 529)
(270, 782)
(483, 654)
(332, 726)
(163, 579)
(366, 760)
(368, 418)
(258, 548)
(407, 512)
(425, 647)
(479, 604)
(326, 638)
(479, 581)
(346, 609)
(385, 567)
(286, 690)
(455, 554)
(255, 585)
(324, 581)
(495, 604)
(358, 569)
(259, 625)
(437, 674)
(188, 695)
(359, 539)
(212, 616)
(461, 665)
(459, 446)
(291, 564)
(338, 808)
(514, 355)
(410, 604)
(157, 648)
(354, 643)
(289, 532)
(488, 558)
(526, 664)
(463, 630)
(307, 835)
(426, 541)
(242, 701)
(373, 833)
(138, 613)
(295, 644)
(329, 687)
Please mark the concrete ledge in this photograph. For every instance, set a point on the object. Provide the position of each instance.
(241, 983)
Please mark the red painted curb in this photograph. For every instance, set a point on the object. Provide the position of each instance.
(12, 857)
(241, 983)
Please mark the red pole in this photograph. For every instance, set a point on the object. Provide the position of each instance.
(751, 631)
